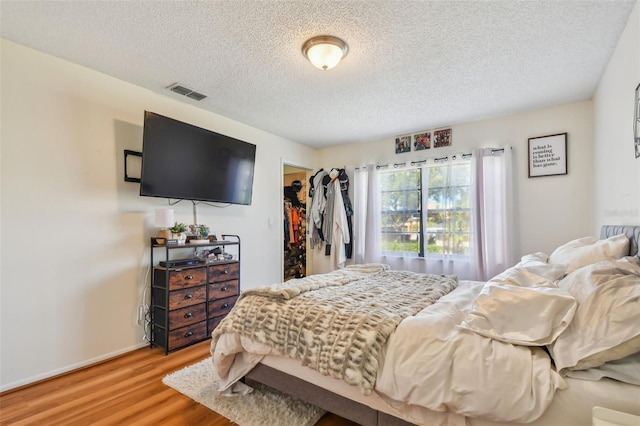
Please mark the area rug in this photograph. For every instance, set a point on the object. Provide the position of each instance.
(262, 407)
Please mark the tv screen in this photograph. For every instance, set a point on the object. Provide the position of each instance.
(186, 162)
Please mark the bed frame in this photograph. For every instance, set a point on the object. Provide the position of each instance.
(633, 232)
(320, 397)
(361, 413)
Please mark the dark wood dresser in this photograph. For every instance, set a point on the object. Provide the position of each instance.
(190, 297)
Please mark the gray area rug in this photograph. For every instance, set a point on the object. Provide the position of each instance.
(262, 407)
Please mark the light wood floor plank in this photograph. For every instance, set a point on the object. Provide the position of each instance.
(126, 390)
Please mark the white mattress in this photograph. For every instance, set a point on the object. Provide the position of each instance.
(571, 406)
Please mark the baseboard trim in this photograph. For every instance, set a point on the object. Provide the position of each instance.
(68, 369)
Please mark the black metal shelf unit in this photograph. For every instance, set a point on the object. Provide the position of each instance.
(191, 294)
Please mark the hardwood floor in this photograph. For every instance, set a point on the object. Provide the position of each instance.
(126, 390)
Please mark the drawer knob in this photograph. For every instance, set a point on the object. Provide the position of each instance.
(226, 271)
(188, 296)
(188, 334)
(225, 288)
(189, 277)
(226, 305)
(188, 315)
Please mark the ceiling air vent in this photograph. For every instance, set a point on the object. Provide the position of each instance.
(185, 91)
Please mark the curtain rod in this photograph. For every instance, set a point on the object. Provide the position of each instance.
(464, 156)
(417, 162)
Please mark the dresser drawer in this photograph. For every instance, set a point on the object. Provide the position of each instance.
(187, 297)
(224, 272)
(184, 278)
(223, 289)
(212, 323)
(189, 315)
(186, 335)
(220, 306)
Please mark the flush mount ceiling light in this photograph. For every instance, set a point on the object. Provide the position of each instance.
(325, 52)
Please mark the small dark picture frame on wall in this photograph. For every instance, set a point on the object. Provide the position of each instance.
(636, 123)
(548, 155)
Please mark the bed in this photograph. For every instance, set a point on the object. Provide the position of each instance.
(564, 337)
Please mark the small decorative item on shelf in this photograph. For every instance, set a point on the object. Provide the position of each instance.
(179, 231)
(209, 255)
(163, 220)
(201, 233)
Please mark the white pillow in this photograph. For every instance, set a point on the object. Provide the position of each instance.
(533, 259)
(535, 273)
(528, 316)
(585, 251)
(537, 264)
(606, 325)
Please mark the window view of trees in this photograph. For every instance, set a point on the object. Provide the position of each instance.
(443, 220)
(448, 209)
(401, 217)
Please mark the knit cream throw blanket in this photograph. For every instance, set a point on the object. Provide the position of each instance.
(336, 323)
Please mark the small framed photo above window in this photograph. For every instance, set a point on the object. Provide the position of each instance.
(403, 144)
(422, 141)
(442, 138)
(548, 155)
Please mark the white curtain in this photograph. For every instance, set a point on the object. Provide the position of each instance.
(366, 220)
(492, 222)
(492, 207)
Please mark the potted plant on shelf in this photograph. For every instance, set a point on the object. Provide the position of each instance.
(179, 232)
(201, 233)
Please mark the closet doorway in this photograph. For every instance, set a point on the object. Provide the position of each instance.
(294, 193)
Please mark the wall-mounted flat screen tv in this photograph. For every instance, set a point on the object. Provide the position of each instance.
(186, 162)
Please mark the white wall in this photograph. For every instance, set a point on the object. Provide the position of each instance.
(616, 177)
(74, 249)
(549, 210)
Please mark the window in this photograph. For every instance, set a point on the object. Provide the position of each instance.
(426, 211)
(401, 212)
(448, 209)
(451, 217)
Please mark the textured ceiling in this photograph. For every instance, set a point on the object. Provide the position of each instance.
(412, 65)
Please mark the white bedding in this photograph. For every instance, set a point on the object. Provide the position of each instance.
(475, 376)
(437, 366)
(477, 355)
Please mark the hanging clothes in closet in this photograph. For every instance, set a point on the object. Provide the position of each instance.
(294, 232)
(343, 179)
(318, 204)
(330, 216)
